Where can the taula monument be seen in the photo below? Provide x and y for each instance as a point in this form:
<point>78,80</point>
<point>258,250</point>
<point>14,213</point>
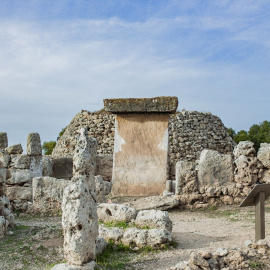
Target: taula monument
<point>141,144</point>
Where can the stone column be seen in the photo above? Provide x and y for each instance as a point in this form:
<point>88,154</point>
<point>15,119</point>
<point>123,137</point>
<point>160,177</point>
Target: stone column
<point>140,144</point>
<point>34,150</point>
<point>79,219</point>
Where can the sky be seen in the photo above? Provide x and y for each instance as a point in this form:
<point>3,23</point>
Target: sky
<point>60,57</point>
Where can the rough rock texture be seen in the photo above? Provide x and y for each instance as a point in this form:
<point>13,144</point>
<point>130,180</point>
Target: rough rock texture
<point>153,219</point>
<point>33,145</point>
<point>3,175</point>
<point>136,105</point>
<point>264,154</point>
<point>100,245</point>
<point>20,161</point>
<point>62,168</point>
<point>15,193</point>
<point>14,149</point>
<point>107,187</point>
<point>104,167</point>
<point>4,159</point>
<point>18,176</point>
<point>265,178</point>
<point>185,176</point>
<point>189,133</point>
<point>47,166</point>
<point>111,234</point>
<point>115,212</point>
<point>3,140</point>
<point>6,216</point>
<point>245,148</point>
<point>79,223</point>
<point>36,165</point>
<point>65,266</point>
<point>100,189</point>
<point>48,193</point>
<point>215,169</point>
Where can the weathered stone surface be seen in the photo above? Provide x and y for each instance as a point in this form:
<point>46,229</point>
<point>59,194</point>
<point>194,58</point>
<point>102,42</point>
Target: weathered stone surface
<point>65,266</point>
<point>20,161</point>
<point>79,221</point>
<point>157,104</point>
<point>48,193</point>
<point>104,167</point>
<point>33,145</point>
<point>3,140</point>
<point>3,175</point>
<point>215,169</point>
<point>154,219</point>
<point>100,245</point>
<point>4,159</point>
<point>264,154</point>
<point>2,227</point>
<point>6,217</point>
<point>115,212</point>
<point>265,178</point>
<point>111,234</point>
<point>185,176</point>
<point>100,189</point>
<point>36,165</point>
<point>245,148</point>
<point>156,237</point>
<point>19,176</point>
<point>155,202</point>
<point>14,149</point>
<point>62,168</point>
<point>107,187</point>
<point>140,154</point>
<point>47,166</point>
<point>19,193</point>
<point>3,189</point>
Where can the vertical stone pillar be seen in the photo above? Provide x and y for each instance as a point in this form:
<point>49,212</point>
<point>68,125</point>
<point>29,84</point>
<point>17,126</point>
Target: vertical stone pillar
<point>3,140</point>
<point>140,144</point>
<point>79,219</point>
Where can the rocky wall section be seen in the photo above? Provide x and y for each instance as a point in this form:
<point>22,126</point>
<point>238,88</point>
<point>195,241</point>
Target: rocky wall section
<point>189,133</point>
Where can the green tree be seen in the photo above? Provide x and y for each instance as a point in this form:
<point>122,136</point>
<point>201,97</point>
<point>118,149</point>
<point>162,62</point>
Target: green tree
<point>242,135</point>
<point>48,147</point>
<point>231,132</point>
<point>62,131</point>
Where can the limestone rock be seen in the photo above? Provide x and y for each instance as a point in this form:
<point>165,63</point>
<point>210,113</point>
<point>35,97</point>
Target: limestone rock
<point>264,154</point>
<point>100,189</point>
<point>48,193</point>
<point>265,178</point>
<point>3,140</point>
<point>185,177</point>
<point>111,234</point>
<point>65,266</point>
<point>19,193</point>
<point>3,175</point>
<point>157,104</point>
<point>156,237</point>
<point>115,212</point>
<point>100,245</point>
<point>4,159</point>
<point>34,145</point>
<point>36,165</point>
<point>2,227</point>
<point>104,167</point>
<point>14,149</point>
<point>46,166</point>
<point>19,176</point>
<point>215,169</point>
<point>198,260</point>
<point>107,187</point>
<point>154,219</point>
<point>79,221</point>
<point>245,148</point>
<point>20,161</point>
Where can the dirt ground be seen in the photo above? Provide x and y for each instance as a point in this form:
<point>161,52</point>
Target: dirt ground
<point>36,242</point>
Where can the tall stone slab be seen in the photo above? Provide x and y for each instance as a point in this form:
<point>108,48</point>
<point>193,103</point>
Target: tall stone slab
<point>140,144</point>
<point>3,140</point>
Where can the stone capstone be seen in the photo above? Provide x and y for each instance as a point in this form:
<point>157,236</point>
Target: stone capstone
<point>48,193</point>
<point>14,149</point>
<point>115,212</point>
<point>136,105</point>
<point>3,140</point>
<point>215,169</point>
<point>79,222</point>
<point>154,219</point>
<point>245,148</point>
<point>264,154</point>
<point>34,145</point>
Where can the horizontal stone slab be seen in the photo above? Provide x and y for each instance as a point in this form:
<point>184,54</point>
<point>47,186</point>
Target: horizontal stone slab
<point>136,105</point>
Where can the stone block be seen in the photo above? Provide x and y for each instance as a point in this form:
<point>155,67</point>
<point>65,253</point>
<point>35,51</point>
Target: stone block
<point>47,166</point>
<point>62,168</point>
<point>215,169</point>
<point>48,193</point>
<point>14,149</point>
<point>20,161</point>
<point>19,193</point>
<point>18,176</point>
<point>264,154</point>
<point>3,175</point>
<point>104,167</point>
<point>111,234</point>
<point>34,145</point>
<point>137,105</point>
<point>36,165</point>
<point>4,159</point>
<point>3,140</point>
<point>140,154</point>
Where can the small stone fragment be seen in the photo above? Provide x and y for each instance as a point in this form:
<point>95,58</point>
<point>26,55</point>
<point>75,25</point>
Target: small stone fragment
<point>14,149</point>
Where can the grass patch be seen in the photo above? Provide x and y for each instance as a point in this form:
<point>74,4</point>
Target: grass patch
<point>256,265</point>
<point>119,224</point>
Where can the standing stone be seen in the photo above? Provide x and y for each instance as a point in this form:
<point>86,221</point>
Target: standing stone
<point>3,140</point>
<point>215,169</point>
<point>34,145</point>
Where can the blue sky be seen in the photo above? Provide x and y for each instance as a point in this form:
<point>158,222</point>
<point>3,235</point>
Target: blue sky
<point>59,57</point>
